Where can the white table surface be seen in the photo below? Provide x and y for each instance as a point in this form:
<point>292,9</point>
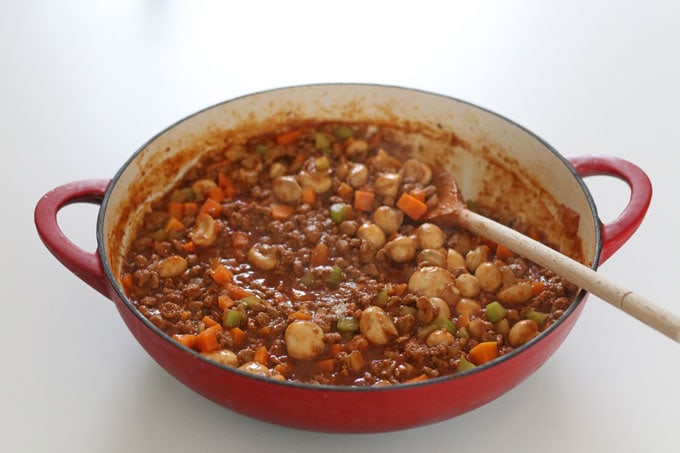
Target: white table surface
<point>84,83</point>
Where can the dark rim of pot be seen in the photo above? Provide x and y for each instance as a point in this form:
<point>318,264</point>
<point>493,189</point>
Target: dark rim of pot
<point>327,387</point>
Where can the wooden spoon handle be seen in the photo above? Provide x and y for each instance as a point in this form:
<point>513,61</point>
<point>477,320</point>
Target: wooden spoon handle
<point>638,307</point>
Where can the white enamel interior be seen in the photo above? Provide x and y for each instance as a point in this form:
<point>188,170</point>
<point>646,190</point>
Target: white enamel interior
<point>495,148</point>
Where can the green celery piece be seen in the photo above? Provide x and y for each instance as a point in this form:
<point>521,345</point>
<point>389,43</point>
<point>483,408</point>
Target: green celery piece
<point>322,163</point>
<point>251,300</point>
<point>381,298</point>
<point>232,318</point>
<point>159,235</point>
<point>445,324</point>
<point>343,132</point>
<point>536,316</point>
<point>338,212</point>
<point>308,279</point>
<point>347,324</point>
<point>464,365</point>
<point>335,277</point>
<point>321,142</point>
<point>495,312</point>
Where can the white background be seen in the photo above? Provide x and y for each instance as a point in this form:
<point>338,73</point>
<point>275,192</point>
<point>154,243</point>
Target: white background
<point>84,83</point>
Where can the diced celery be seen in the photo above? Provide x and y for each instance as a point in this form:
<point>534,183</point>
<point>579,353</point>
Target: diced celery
<point>381,298</point>
<point>251,300</point>
<point>335,277</point>
<point>425,331</point>
<point>308,279</point>
<point>347,324</point>
<point>495,312</point>
<point>322,163</point>
<point>321,142</point>
<point>445,324</point>
<point>159,235</point>
<point>462,333</point>
<point>338,212</point>
<point>536,316</point>
<point>438,324</point>
<point>343,132</point>
<point>232,318</point>
<point>261,149</point>
<point>464,365</point>
<point>182,195</point>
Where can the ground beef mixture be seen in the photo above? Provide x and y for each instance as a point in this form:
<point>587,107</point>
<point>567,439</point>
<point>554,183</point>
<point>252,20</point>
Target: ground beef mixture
<point>302,254</point>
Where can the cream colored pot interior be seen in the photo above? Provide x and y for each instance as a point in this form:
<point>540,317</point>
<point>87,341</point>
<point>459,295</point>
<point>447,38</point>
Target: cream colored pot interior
<point>494,161</point>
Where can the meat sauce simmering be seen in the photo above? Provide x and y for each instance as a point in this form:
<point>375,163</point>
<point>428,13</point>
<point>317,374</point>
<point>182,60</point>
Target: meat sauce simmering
<point>302,255</point>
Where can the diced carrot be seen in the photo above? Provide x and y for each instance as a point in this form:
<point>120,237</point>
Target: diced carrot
<point>176,210</point>
<point>191,209</point>
<point>503,253</point>
<point>237,335</point>
<point>326,365</point>
<point>209,322</point>
<point>128,282</point>
<point>187,340</point>
<point>299,315</point>
<point>173,225</point>
<point>308,195</point>
<point>211,207</point>
<point>345,191</point>
<point>206,341</point>
<point>225,302</point>
<point>239,239</point>
<point>363,200</point>
<point>484,352</point>
<point>320,255</point>
<point>281,211</point>
<point>411,206</point>
<point>488,242</point>
<point>226,184</point>
<point>297,163</point>
<point>336,348</point>
<point>220,274</point>
<point>422,377</point>
<point>189,246</point>
<point>537,287</point>
<point>261,355</point>
<point>216,193</point>
<point>186,314</point>
<point>264,331</point>
<point>398,289</point>
<point>285,368</point>
<point>235,291</point>
<point>418,193</point>
<point>289,137</point>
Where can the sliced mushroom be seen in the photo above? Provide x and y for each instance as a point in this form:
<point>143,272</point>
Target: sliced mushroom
<point>416,171</point>
<point>377,326</point>
<point>287,189</point>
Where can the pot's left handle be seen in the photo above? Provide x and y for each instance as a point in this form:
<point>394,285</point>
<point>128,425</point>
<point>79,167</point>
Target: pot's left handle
<point>86,265</point>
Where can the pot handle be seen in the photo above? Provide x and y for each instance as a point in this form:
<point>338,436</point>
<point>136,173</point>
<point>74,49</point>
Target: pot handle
<point>86,265</point>
<point>617,232</point>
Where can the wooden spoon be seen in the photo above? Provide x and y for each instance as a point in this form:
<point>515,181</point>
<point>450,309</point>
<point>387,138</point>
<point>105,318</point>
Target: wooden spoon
<point>451,210</point>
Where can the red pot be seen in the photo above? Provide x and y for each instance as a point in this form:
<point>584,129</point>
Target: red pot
<point>494,161</point>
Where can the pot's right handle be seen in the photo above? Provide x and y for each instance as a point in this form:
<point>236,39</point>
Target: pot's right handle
<point>617,232</point>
